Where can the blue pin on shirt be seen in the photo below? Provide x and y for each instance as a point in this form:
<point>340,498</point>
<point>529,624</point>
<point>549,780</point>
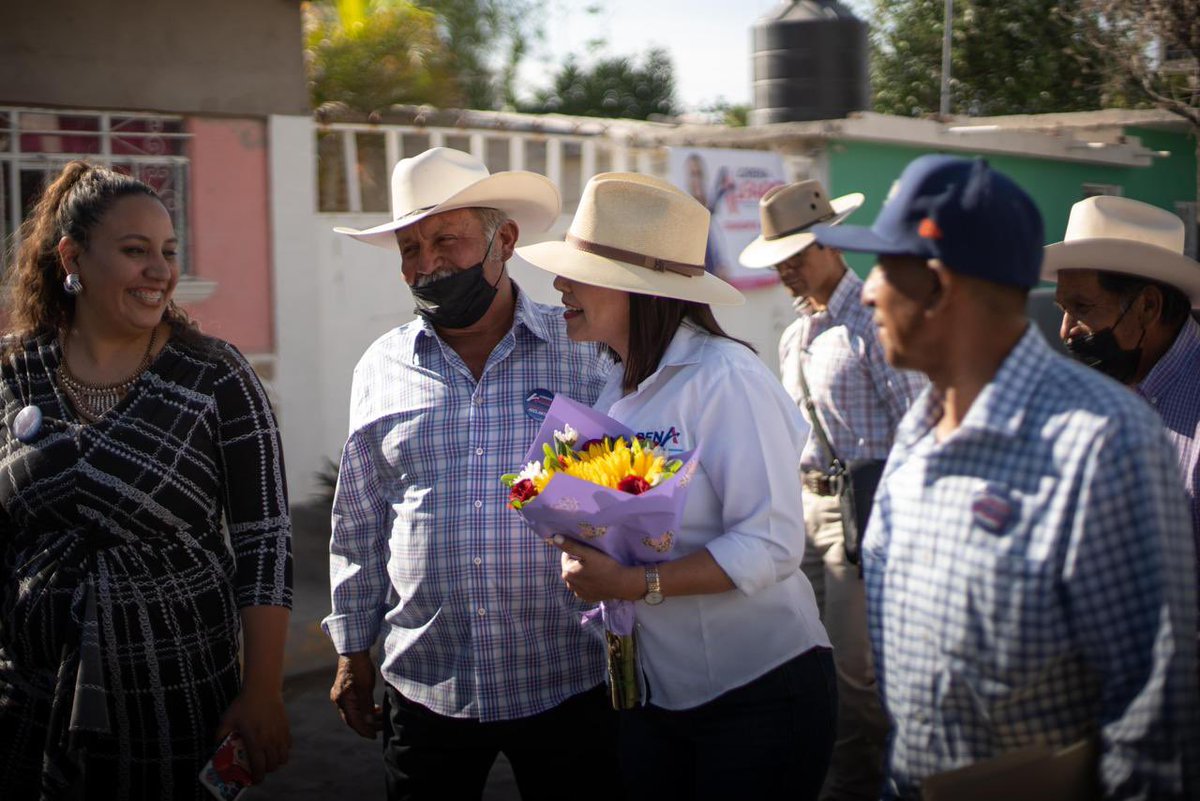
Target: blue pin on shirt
<point>537,403</point>
<point>27,424</point>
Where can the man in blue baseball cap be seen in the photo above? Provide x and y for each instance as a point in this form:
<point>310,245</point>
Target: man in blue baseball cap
<point>1029,557</point>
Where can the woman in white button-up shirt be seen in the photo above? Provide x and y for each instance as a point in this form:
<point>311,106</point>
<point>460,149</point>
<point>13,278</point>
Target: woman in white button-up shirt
<point>740,679</point>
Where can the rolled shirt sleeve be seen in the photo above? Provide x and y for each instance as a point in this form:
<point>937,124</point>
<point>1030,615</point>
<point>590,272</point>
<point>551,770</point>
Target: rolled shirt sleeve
<point>751,435</point>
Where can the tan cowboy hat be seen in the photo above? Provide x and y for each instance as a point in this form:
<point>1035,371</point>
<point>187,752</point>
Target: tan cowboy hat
<point>637,234</point>
<point>441,179</point>
<point>788,214</point>
<point>1119,235</point>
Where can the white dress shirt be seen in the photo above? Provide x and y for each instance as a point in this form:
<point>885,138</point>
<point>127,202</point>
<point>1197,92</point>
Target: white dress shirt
<point>743,506</point>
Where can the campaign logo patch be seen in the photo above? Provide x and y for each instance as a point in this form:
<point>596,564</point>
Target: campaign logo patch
<point>537,403</point>
<point>994,508</point>
<point>665,438</point>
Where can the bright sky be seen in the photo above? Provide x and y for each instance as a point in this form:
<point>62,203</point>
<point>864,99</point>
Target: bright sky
<point>709,41</point>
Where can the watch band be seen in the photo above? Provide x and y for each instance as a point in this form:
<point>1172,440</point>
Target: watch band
<point>653,594</point>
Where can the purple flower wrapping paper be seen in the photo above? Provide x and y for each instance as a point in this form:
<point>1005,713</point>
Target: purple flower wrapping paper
<point>633,529</point>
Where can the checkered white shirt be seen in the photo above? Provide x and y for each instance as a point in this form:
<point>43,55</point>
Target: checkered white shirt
<point>1031,579</point>
<point>1173,388</point>
<point>859,396</point>
<point>477,622</point>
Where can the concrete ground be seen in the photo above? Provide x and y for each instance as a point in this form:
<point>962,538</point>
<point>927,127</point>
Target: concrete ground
<point>328,760</point>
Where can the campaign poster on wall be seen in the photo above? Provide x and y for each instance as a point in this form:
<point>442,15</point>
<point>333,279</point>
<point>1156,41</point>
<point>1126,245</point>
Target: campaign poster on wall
<point>729,183</point>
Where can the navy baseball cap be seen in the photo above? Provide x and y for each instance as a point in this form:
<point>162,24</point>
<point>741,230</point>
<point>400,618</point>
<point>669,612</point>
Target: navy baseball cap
<point>975,220</point>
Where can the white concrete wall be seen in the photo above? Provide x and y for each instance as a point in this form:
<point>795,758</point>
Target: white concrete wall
<point>299,371</point>
<point>335,296</point>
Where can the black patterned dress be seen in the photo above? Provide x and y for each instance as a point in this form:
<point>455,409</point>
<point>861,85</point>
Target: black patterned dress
<point>119,587</point>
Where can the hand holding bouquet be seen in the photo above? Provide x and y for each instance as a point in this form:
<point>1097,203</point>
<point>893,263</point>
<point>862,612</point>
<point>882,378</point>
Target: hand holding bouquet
<point>590,478</point>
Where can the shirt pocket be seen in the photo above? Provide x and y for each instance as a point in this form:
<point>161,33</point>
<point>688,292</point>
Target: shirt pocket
<point>1006,626</point>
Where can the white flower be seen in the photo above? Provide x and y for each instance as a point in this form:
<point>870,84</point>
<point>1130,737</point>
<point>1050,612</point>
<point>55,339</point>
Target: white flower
<point>531,471</point>
<point>568,436</point>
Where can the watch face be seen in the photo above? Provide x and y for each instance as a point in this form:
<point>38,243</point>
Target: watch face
<point>653,598</point>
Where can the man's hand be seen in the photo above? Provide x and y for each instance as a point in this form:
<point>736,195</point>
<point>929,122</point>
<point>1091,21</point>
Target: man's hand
<point>353,694</point>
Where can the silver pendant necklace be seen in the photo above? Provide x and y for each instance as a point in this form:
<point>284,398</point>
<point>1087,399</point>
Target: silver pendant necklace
<point>93,401</point>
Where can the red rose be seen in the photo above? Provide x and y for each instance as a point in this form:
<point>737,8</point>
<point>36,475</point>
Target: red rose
<point>522,492</point>
<point>634,485</point>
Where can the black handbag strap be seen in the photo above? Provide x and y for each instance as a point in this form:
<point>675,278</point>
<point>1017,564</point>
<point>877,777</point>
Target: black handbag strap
<point>835,464</point>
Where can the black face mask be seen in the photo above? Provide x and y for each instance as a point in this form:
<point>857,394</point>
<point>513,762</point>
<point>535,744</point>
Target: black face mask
<point>1100,351</point>
<point>460,299</point>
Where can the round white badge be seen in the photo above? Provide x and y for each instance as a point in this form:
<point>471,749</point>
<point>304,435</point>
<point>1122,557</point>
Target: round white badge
<point>27,424</point>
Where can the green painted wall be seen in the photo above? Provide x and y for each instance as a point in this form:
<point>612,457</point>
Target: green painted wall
<point>871,168</point>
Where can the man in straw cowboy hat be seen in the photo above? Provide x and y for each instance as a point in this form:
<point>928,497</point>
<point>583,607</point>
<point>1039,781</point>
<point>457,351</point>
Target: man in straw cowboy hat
<point>482,651</point>
<point>1027,586</point>
<point>831,356</point>
<point>1127,291</point>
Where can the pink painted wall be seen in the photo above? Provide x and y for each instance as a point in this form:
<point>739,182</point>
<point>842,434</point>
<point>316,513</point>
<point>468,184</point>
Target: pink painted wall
<point>231,232</point>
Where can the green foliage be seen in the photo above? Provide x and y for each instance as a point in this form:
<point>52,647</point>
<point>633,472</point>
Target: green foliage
<point>1008,57</point>
<point>488,40</point>
<point>380,54</point>
<point>735,115</point>
<point>370,54</point>
<point>614,86</point>
<point>1155,45</point>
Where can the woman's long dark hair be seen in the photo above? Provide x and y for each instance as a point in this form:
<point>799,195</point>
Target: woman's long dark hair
<point>653,322</point>
<point>71,205</point>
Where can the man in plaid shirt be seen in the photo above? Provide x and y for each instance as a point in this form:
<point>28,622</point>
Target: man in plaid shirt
<point>1029,560</point>
<point>859,399</point>
<point>483,650</point>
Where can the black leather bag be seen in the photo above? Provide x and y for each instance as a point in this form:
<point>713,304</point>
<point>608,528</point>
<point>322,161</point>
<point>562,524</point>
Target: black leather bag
<point>857,487</point>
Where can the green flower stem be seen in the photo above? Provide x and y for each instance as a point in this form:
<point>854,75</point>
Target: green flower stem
<point>622,670</point>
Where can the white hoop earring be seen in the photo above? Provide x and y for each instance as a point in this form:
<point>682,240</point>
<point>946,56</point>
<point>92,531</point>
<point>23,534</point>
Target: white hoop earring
<point>72,285</point>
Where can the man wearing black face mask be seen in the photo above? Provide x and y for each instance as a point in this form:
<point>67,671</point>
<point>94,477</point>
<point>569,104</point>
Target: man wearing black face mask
<point>1126,291</point>
<point>483,650</point>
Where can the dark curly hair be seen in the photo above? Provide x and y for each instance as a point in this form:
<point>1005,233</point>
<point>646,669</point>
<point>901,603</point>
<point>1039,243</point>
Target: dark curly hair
<point>71,205</point>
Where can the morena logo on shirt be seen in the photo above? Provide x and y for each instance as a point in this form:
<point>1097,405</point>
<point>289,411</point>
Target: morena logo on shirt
<point>663,438</point>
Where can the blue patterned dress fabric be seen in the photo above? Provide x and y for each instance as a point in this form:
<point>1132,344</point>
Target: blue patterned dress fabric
<point>120,590</point>
<point>1031,581</point>
<point>475,619</point>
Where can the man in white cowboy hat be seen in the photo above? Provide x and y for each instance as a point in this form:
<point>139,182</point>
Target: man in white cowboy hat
<point>1028,593</point>
<point>832,350</point>
<point>482,650</point>
<point>1126,291</point>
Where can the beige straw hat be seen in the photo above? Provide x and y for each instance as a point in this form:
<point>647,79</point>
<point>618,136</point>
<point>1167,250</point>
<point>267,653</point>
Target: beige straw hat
<point>1119,235</point>
<point>637,234</point>
<point>442,179</point>
<point>788,214</point>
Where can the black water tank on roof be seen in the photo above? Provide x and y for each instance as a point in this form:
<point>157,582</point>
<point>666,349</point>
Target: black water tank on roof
<point>810,63</point>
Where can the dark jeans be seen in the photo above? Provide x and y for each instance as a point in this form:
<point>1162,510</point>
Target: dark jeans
<point>771,738</point>
<point>566,752</point>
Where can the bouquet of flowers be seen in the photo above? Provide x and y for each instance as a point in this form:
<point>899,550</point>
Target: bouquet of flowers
<point>592,479</point>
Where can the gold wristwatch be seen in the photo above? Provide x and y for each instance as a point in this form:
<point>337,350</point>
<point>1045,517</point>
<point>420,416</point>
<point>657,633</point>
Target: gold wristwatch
<point>653,594</point>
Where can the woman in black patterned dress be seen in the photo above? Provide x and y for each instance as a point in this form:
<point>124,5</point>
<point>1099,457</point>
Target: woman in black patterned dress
<point>126,439</point>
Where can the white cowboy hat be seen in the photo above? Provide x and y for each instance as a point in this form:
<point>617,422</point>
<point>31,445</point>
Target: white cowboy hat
<point>640,235</point>
<point>788,214</point>
<point>441,179</point>
<point>1119,235</point>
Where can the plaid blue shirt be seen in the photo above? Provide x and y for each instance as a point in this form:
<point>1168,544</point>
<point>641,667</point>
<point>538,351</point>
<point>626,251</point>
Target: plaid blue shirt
<point>1031,579</point>
<point>859,396</point>
<point>1173,388</point>
<point>476,621</point>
